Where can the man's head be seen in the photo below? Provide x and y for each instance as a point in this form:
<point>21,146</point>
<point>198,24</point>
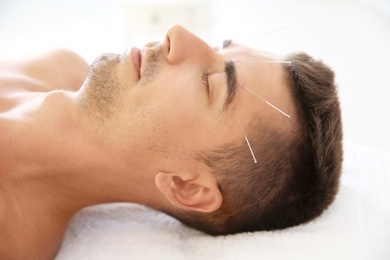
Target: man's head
<point>182,102</point>
<point>297,174</point>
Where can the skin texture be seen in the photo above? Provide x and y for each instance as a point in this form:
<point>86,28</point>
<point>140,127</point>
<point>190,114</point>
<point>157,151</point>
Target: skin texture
<point>122,133</point>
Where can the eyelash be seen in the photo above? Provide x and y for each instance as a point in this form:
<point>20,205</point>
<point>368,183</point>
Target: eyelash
<point>205,81</point>
<point>205,76</point>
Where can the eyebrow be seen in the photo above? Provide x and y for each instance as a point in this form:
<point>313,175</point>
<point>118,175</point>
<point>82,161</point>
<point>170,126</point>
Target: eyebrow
<point>231,77</point>
<point>231,83</point>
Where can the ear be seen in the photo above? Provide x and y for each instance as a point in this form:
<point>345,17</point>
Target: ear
<point>199,194</point>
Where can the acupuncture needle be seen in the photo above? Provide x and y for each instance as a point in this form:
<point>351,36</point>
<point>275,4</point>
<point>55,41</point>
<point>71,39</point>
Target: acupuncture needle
<point>268,103</point>
<point>246,138</point>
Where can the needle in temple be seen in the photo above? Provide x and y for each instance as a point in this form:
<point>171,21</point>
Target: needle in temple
<point>279,110</point>
<point>246,138</point>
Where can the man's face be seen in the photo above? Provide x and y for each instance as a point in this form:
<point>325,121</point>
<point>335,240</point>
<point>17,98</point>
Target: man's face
<point>178,96</point>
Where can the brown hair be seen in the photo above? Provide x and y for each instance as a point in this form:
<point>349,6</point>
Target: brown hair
<point>297,174</point>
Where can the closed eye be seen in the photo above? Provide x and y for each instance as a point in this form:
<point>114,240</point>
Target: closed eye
<point>205,82</point>
<point>205,76</point>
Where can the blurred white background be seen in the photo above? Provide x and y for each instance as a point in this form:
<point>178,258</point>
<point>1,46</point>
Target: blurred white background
<point>352,36</point>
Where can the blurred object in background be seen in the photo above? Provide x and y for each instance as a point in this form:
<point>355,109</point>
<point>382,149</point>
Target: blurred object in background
<point>146,20</point>
<point>352,36</point>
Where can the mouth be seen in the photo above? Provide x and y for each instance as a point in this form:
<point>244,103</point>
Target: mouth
<point>136,57</point>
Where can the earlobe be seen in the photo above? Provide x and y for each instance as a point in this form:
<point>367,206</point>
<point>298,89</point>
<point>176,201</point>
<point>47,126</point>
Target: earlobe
<point>189,194</point>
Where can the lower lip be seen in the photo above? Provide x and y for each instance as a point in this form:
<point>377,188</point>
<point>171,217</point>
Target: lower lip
<point>135,54</point>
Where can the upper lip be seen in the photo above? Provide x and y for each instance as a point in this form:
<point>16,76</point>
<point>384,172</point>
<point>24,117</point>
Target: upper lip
<point>136,56</point>
<point>144,51</point>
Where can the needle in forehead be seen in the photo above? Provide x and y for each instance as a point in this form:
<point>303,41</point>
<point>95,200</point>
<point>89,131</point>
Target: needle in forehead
<point>268,61</point>
<point>246,138</point>
<point>268,103</point>
<point>264,34</point>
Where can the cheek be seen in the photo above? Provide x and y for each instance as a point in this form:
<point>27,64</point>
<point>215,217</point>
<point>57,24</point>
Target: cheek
<point>185,112</point>
<point>182,96</point>
<point>180,116</point>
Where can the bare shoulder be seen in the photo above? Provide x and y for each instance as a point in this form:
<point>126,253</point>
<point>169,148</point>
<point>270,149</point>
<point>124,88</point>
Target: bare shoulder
<point>57,69</point>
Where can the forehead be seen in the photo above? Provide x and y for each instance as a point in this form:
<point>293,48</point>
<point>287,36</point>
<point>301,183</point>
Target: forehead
<point>265,78</point>
<point>241,51</point>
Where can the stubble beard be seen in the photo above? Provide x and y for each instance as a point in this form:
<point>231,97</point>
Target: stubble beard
<point>104,98</point>
<point>103,94</point>
<point>101,88</point>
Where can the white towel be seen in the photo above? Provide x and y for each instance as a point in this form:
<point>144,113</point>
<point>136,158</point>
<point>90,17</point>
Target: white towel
<point>356,226</point>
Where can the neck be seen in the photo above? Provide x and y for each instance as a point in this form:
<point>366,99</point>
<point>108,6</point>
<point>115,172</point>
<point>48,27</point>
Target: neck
<point>54,158</point>
<point>52,164</point>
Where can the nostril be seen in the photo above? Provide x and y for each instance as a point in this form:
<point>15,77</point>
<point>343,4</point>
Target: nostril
<point>168,43</point>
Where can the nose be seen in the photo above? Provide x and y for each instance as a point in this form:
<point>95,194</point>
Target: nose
<point>184,46</point>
